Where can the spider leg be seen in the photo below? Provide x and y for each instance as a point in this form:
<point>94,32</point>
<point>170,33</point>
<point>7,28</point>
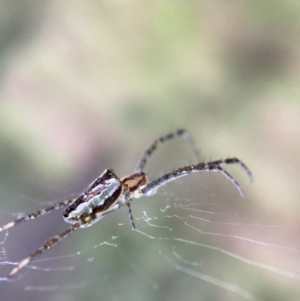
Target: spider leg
<point>184,171</point>
<point>234,161</point>
<point>84,222</point>
<point>149,151</point>
<point>45,247</point>
<point>127,204</point>
<point>35,214</point>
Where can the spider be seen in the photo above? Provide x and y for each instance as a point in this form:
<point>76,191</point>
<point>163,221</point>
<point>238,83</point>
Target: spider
<point>109,192</point>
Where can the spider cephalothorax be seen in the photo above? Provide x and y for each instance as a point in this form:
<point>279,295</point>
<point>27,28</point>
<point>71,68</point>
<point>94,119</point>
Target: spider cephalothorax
<point>108,193</point>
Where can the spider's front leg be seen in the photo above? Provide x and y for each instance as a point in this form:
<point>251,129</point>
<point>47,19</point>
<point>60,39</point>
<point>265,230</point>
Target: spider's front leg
<point>127,198</point>
<point>212,166</point>
<point>149,151</point>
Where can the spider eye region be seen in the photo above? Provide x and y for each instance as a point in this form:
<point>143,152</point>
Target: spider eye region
<point>99,195</point>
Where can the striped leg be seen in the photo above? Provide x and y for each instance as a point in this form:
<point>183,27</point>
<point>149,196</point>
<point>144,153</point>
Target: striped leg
<point>213,166</point>
<point>35,214</point>
<point>234,161</point>
<point>45,247</point>
<point>127,203</point>
<point>149,151</point>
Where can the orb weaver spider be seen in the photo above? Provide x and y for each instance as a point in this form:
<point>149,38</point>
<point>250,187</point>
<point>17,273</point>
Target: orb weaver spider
<point>109,192</point>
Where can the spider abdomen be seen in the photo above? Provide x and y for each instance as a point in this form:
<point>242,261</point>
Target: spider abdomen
<point>100,195</point>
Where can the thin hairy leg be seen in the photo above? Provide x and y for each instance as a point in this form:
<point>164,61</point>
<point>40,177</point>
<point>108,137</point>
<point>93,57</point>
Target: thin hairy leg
<point>128,203</point>
<point>184,171</point>
<point>49,244</point>
<point>150,150</point>
<point>36,214</point>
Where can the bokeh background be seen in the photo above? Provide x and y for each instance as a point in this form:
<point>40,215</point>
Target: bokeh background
<point>88,85</point>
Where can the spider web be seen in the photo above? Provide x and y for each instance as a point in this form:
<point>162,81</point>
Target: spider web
<point>196,239</point>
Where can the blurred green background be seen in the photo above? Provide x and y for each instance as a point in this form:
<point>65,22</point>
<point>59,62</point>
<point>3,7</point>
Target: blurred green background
<point>88,85</point>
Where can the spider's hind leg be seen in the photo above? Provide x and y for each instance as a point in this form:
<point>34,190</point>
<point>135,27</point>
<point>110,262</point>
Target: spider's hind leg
<point>49,244</point>
<point>35,214</point>
<point>150,150</point>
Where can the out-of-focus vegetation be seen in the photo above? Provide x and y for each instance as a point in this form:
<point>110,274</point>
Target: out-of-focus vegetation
<point>87,85</point>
